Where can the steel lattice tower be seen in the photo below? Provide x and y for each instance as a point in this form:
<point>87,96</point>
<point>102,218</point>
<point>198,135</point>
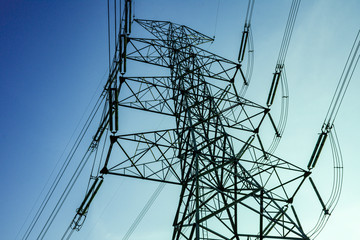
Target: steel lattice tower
<point>232,187</point>
<point>214,153</point>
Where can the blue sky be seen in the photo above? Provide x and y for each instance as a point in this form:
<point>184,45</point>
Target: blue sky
<point>53,56</point>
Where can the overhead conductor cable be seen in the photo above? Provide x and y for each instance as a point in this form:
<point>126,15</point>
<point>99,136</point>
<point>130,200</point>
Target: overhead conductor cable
<point>283,50</point>
<point>329,129</point>
<point>337,99</point>
<point>245,33</point>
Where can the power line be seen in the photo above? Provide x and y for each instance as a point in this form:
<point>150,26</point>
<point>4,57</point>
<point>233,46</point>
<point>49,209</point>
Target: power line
<point>62,169</point>
<point>343,83</point>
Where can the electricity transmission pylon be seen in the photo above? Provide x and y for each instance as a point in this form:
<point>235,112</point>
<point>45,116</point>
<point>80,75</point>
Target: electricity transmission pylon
<point>214,151</point>
<point>231,185</point>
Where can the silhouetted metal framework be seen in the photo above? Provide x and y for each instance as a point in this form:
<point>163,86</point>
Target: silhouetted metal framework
<point>232,186</point>
<point>193,128</point>
<point>214,152</point>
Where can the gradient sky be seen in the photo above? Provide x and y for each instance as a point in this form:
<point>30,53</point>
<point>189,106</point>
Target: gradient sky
<point>53,56</point>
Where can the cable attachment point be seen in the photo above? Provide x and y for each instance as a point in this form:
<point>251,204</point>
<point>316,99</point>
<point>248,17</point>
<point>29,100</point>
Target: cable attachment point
<point>81,212</point>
